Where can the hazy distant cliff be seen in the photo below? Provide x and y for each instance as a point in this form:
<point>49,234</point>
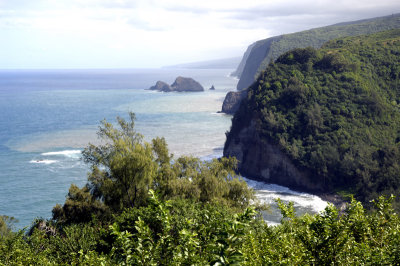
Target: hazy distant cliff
<point>239,70</point>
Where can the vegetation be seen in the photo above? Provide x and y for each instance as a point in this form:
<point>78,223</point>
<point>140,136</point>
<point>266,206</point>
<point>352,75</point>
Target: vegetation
<point>6,224</point>
<point>335,112</point>
<point>125,168</point>
<point>183,232</point>
<point>317,37</point>
<point>142,207</point>
<point>268,50</point>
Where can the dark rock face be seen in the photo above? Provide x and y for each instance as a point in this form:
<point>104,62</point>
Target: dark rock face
<point>239,70</point>
<point>263,161</point>
<point>255,57</point>
<point>232,101</point>
<point>186,84</point>
<point>161,86</point>
<point>212,88</point>
<point>180,84</point>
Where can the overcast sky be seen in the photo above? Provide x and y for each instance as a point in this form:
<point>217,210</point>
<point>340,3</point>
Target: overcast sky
<point>154,33</point>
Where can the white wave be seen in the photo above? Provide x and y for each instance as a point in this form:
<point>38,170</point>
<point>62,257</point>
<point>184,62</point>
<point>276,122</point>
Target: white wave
<point>66,153</point>
<point>272,223</point>
<point>258,185</point>
<point>268,193</point>
<point>43,161</point>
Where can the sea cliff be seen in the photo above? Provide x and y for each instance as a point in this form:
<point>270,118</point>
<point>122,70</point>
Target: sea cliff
<point>264,51</point>
<point>259,54</point>
<point>325,120</point>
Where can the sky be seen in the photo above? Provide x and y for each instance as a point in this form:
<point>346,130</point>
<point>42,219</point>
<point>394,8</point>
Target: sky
<point>49,34</point>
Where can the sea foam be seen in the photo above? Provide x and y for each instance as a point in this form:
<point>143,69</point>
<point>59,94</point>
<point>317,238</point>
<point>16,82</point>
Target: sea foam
<point>43,161</point>
<point>66,153</point>
<point>268,193</point>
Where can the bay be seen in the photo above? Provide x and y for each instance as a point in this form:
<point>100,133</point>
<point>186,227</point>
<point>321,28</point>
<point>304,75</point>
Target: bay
<point>48,116</point>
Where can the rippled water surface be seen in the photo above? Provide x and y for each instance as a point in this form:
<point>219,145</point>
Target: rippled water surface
<point>48,117</point>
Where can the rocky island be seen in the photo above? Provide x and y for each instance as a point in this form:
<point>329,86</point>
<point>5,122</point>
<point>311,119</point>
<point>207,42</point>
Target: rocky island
<point>161,86</point>
<point>181,84</point>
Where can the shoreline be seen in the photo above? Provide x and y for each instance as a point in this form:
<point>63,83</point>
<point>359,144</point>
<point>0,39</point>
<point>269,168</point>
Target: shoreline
<point>335,199</point>
<point>339,202</point>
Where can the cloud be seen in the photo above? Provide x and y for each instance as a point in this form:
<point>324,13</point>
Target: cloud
<point>180,30</point>
<point>281,9</point>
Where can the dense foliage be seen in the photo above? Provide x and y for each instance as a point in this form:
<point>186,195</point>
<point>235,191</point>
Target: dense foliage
<point>183,232</point>
<point>262,52</point>
<point>125,167</point>
<point>335,112</point>
<point>317,37</point>
<point>142,207</point>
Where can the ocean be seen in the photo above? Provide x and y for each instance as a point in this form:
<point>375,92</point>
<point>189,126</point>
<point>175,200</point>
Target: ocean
<point>48,116</point>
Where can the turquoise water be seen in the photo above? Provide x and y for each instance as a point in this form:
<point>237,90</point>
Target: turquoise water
<point>48,117</point>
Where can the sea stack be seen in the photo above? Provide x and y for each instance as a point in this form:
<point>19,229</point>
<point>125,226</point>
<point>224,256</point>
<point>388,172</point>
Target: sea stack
<point>186,84</point>
<point>181,84</point>
<point>161,86</point>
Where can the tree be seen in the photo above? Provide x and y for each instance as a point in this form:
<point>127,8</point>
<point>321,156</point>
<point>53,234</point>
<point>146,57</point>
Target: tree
<point>6,224</point>
<point>123,168</point>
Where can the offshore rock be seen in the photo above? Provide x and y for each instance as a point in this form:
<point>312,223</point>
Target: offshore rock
<point>181,84</point>
<point>186,84</point>
<point>161,86</point>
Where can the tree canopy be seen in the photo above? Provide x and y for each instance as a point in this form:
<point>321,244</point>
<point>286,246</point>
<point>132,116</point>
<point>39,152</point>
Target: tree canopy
<point>124,167</point>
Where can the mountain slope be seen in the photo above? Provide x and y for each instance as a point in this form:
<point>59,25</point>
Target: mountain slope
<point>267,50</point>
<point>325,119</point>
<point>225,63</point>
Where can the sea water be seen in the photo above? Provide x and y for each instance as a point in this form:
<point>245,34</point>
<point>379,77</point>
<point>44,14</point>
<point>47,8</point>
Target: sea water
<point>48,116</point>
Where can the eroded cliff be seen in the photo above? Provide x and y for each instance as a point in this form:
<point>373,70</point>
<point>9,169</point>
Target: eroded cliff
<point>264,161</point>
<point>325,119</point>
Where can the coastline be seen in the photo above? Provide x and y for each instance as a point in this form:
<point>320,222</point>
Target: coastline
<point>338,201</point>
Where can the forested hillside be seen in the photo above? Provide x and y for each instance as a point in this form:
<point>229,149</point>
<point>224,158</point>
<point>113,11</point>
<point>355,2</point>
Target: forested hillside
<point>267,50</point>
<point>333,113</point>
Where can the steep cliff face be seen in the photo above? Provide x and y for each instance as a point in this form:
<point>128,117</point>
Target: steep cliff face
<point>264,51</point>
<point>325,119</point>
<point>239,70</point>
<point>258,53</point>
<point>264,161</point>
<point>232,101</point>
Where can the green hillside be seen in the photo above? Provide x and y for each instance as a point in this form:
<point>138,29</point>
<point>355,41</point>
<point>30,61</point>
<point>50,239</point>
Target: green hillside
<point>334,112</point>
<point>267,50</point>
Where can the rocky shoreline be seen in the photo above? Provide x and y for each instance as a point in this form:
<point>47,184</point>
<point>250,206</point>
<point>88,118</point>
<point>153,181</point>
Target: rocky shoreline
<point>338,201</point>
